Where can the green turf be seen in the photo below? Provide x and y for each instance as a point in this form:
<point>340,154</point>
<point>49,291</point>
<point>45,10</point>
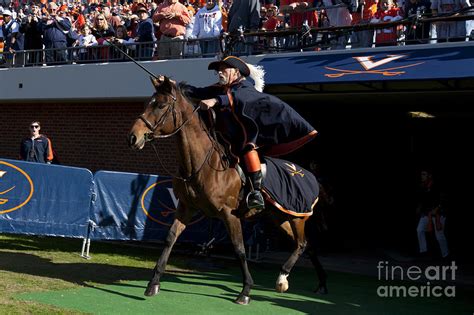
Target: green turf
<point>213,293</point>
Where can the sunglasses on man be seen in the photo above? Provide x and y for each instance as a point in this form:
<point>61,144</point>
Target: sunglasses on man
<point>34,126</point>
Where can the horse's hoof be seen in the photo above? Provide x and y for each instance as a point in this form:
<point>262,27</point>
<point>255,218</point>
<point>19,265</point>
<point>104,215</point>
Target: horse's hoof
<point>282,284</point>
<point>281,287</point>
<point>321,290</point>
<point>152,290</point>
<point>242,299</point>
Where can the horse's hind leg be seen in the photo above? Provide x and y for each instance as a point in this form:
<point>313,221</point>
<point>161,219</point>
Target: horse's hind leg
<point>322,275</point>
<point>294,228</point>
<point>234,228</point>
<point>179,224</point>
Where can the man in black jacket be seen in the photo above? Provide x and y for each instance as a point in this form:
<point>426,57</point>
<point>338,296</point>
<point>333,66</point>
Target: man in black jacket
<point>33,39</point>
<point>251,120</point>
<point>37,147</point>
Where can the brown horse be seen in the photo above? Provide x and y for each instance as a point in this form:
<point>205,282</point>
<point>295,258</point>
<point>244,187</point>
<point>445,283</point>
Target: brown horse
<point>204,184</point>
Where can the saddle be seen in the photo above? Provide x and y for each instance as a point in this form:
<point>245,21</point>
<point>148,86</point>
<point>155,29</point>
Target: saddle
<point>286,186</point>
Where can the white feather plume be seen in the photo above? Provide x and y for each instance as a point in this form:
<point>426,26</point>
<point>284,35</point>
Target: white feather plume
<point>257,73</point>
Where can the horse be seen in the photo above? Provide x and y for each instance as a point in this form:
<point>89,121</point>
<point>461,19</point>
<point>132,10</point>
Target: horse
<point>204,183</point>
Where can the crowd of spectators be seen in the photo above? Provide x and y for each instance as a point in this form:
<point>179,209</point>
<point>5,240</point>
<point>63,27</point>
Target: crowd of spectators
<point>36,32</point>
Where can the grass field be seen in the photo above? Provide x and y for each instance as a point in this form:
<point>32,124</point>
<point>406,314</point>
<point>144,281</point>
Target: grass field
<point>41,275</point>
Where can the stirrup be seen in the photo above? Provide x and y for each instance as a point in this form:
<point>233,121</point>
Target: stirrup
<point>255,200</point>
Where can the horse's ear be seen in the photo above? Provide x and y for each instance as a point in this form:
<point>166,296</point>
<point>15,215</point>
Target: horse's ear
<point>167,86</point>
<point>157,81</point>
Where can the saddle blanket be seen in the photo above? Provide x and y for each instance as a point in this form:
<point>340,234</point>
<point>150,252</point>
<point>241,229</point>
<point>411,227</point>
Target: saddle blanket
<point>290,188</point>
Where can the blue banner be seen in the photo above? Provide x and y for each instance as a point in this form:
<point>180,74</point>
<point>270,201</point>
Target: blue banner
<point>395,63</point>
<point>44,199</point>
<point>139,207</point>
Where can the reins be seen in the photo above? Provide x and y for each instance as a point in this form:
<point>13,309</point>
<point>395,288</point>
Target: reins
<point>149,137</point>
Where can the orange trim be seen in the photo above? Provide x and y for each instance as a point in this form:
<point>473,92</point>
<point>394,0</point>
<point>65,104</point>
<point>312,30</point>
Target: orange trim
<point>285,148</point>
<point>252,161</point>
<point>290,212</point>
<point>50,151</point>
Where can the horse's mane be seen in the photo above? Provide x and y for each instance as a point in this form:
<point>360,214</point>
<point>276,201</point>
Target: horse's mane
<point>206,119</point>
<point>185,90</point>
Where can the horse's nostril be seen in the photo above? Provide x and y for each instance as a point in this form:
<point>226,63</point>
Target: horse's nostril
<point>132,139</point>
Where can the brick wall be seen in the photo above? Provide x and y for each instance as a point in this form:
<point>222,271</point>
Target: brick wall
<point>89,135</point>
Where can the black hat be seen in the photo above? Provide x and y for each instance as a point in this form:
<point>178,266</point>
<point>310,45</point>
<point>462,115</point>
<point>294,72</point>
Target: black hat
<point>233,62</point>
<point>142,9</point>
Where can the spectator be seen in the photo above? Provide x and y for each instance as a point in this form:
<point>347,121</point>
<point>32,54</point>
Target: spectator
<point>53,28</point>
<point>245,14</point>
<point>103,32</point>
<point>225,7</point>
<point>112,19</point>
<point>263,17</point>
<point>338,15</point>
<point>208,27</point>
<point>2,60</point>
<point>37,147</point>
<point>299,13</point>
<point>86,39</point>
<point>363,15</point>
<point>417,33</point>
<point>173,18</point>
<point>272,22</point>
<point>387,13</point>
<point>153,8</point>
<point>122,38</point>
<point>101,29</point>
<point>191,46</point>
<point>449,31</point>
<point>145,35</point>
<point>431,212</point>
<point>13,39</point>
<point>33,40</point>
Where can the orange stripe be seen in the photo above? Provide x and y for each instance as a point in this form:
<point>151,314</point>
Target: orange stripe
<point>50,151</point>
<point>285,148</point>
<point>290,212</point>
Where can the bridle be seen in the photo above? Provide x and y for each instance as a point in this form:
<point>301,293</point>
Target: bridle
<point>150,136</point>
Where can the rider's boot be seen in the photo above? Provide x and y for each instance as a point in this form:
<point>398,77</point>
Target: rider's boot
<point>254,199</point>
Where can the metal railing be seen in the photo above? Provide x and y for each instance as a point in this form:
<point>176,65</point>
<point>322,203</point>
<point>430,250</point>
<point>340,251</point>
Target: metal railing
<point>409,31</point>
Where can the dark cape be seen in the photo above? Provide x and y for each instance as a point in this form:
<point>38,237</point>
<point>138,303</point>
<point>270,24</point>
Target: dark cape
<point>268,122</point>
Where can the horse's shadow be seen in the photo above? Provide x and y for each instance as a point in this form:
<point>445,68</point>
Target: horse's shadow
<point>96,275</point>
<point>86,273</point>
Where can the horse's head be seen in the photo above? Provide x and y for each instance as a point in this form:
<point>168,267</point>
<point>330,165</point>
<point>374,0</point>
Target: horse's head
<point>159,117</point>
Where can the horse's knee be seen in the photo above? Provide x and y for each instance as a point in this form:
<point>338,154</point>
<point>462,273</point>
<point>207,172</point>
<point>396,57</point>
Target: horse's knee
<point>301,246</point>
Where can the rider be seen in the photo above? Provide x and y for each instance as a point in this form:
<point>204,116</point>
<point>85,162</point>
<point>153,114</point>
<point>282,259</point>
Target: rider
<point>260,121</point>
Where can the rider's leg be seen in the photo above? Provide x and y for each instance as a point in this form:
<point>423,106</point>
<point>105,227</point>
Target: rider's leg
<point>253,171</point>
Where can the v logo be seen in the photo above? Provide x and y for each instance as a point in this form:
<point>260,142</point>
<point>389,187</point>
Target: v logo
<point>368,64</point>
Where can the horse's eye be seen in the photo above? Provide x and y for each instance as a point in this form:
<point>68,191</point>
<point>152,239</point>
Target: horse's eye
<point>162,105</point>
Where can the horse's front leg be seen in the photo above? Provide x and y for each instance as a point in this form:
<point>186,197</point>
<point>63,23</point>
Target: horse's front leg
<point>234,228</point>
<point>294,228</point>
<point>179,224</point>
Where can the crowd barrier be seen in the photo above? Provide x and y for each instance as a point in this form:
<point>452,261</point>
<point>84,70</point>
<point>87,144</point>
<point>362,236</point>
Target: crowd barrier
<point>54,200</point>
<point>44,199</point>
<point>138,207</point>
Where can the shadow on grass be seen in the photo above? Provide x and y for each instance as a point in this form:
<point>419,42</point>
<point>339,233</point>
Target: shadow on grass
<point>225,281</point>
<point>348,293</point>
<point>48,243</point>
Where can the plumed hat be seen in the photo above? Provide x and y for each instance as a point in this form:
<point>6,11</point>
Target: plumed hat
<point>256,73</point>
